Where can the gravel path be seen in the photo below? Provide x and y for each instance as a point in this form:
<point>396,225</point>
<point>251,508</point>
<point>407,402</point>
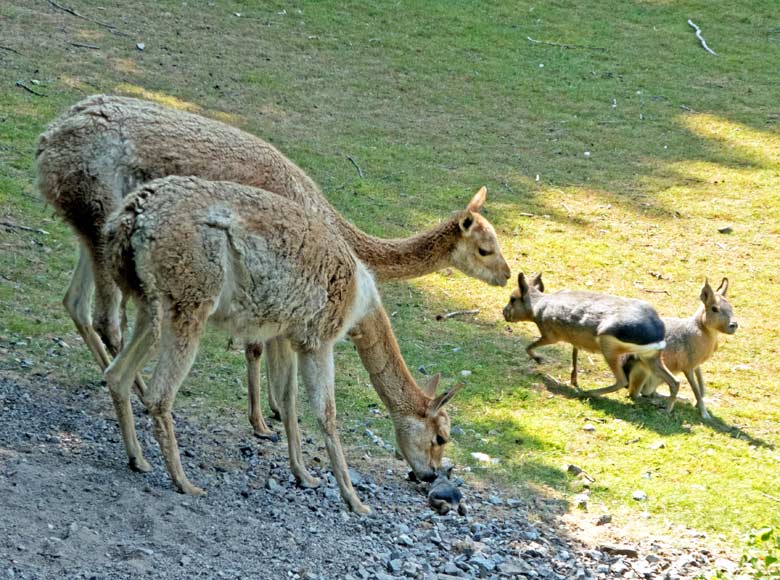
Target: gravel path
<point>69,508</point>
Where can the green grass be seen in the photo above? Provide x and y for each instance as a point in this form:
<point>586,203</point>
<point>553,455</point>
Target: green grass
<point>433,100</point>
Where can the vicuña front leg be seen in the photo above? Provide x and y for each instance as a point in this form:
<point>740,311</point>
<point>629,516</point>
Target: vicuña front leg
<point>253,352</point>
<point>119,377</point>
<point>319,377</point>
<point>178,346</point>
<point>282,363</point>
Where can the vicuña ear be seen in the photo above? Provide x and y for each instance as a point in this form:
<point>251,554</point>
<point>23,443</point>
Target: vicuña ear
<point>707,295</point>
<point>436,405</point>
<point>537,282</point>
<point>478,200</point>
<point>724,287</point>
<point>522,284</point>
<point>430,387</point>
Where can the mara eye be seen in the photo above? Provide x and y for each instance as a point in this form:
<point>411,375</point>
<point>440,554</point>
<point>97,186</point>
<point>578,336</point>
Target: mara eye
<point>715,309</point>
<point>440,440</point>
<point>512,299</point>
<point>484,252</point>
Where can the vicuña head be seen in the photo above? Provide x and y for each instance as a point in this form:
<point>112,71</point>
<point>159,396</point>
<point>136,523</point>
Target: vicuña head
<point>477,252</point>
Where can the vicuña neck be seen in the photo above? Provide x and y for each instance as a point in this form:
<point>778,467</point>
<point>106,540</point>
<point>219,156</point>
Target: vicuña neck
<point>394,259</point>
<point>378,349</point>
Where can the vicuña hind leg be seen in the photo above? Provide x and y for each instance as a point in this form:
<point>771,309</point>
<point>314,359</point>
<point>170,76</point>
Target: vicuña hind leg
<point>274,390</point>
<point>319,377</point>
<point>282,365</point>
<point>253,352</point>
<point>181,334</point>
<point>119,376</point>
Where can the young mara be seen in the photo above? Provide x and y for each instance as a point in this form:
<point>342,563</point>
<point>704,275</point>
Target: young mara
<point>189,250</point>
<point>104,146</point>
<point>690,342</point>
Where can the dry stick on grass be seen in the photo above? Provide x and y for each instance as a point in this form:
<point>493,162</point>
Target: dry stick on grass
<point>9,49</point>
<point>352,161</point>
<point>24,228</point>
<point>701,38</point>
<point>583,46</point>
<point>777,499</point>
<point>72,12</point>
<point>651,291</point>
<point>447,315</point>
<point>79,45</point>
<point>28,89</point>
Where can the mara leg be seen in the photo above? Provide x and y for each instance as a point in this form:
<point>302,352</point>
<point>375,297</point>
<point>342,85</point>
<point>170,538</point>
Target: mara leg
<point>638,374</point>
<point>77,301</point>
<point>119,376</point>
<point>253,353</point>
<point>574,382</point>
<point>659,368</point>
<point>613,357</point>
<point>282,363</point>
<point>181,335</point>
<point>698,390</point>
<point>319,377</point>
<point>541,341</point>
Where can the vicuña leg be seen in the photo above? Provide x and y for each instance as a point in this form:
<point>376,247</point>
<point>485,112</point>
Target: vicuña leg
<point>274,389</point>
<point>282,363</point>
<point>253,353</point>
<point>178,345</point>
<point>119,377</point>
<point>319,377</point>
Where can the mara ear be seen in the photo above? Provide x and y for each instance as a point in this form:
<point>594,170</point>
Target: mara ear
<point>478,200</point>
<point>707,295</point>
<point>724,287</point>
<point>522,284</point>
<point>466,222</point>
<point>430,387</point>
<point>537,282</point>
<point>436,405</point>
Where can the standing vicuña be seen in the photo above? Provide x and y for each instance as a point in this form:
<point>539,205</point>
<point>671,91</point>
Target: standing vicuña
<point>95,153</point>
<point>188,250</point>
<point>611,325</point>
<point>690,342</point>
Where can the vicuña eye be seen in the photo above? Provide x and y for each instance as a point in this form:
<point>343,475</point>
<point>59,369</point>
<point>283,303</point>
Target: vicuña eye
<point>484,252</point>
<point>440,440</point>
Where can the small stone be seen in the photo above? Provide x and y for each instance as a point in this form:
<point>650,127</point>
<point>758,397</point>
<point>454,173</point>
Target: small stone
<point>457,431</point>
<point>619,550</point>
<point>495,500</point>
<point>486,565</point>
<point>603,519</point>
<point>451,569</point>
<point>658,445</point>
<point>639,495</point>
<point>395,566</point>
<point>587,154</point>
<point>185,560</point>
<point>581,501</point>
<point>588,427</point>
<point>344,517</point>
<point>513,503</point>
<point>620,567</point>
<point>405,540</point>
<point>272,485</point>
<point>465,373</point>
<point>726,565</point>
<point>483,457</point>
<point>140,46</point>
<point>355,477</point>
<point>725,230</point>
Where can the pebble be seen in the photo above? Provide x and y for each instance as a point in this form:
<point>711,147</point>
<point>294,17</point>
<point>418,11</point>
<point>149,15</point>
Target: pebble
<point>639,495</point>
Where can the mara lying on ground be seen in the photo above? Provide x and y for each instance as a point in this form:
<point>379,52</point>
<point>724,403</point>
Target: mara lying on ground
<point>189,250</point>
<point>95,153</point>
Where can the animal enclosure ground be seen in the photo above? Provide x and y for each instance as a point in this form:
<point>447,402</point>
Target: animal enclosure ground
<point>610,166</point>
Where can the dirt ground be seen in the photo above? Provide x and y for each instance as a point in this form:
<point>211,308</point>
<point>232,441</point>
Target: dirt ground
<point>71,509</point>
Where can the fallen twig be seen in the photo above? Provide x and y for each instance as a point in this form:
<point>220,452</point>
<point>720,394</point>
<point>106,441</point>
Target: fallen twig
<point>24,228</point>
<point>447,315</point>
<point>28,89</point>
<point>701,38</point>
<point>777,499</point>
<point>651,291</point>
<point>79,45</point>
<point>9,49</point>
<point>353,162</point>
<point>72,12</point>
<point>584,46</point>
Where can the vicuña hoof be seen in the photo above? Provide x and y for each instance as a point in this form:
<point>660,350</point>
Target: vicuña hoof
<point>140,464</point>
<point>267,435</point>
<point>360,508</point>
<point>309,482</point>
<point>187,488</point>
